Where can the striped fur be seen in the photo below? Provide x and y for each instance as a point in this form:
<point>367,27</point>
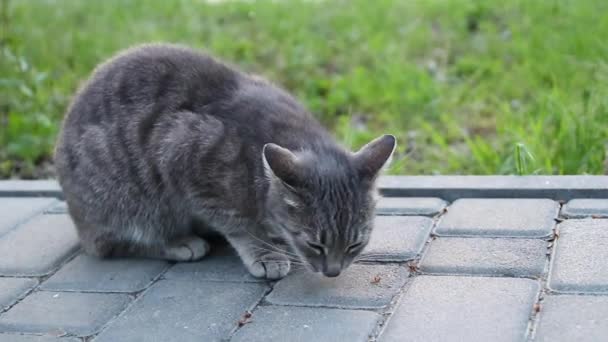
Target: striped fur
<point>162,136</point>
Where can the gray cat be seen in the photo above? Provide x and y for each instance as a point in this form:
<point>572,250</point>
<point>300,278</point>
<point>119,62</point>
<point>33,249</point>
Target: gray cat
<point>163,139</point>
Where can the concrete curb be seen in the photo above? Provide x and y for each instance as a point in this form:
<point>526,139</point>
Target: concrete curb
<point>448,188</point>
<point>30,188</point>
<point>451,188</point>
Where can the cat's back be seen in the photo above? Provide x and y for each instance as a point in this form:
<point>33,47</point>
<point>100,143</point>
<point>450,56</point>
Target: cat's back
<point>110,122</point>
<point>151,78</point>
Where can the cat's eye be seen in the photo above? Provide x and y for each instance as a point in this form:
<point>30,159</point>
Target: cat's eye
<point>319,249</point>
<point>353,247</point>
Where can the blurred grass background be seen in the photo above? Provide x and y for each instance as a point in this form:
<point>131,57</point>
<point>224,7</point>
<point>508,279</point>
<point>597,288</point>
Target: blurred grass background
<point>468,87</point>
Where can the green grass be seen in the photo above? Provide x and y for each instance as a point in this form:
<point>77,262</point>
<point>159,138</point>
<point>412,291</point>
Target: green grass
<point>468,87</point>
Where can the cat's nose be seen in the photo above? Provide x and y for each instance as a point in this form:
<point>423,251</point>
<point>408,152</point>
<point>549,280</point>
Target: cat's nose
<point>332,270</point>
<point>331,273</point>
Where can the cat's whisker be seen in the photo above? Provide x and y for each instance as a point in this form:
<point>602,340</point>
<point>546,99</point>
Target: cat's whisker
<point>269,250</point>
<point>276,248</point>
<point>297,261</point>
<point>281,252</point>
<point>292,260</point>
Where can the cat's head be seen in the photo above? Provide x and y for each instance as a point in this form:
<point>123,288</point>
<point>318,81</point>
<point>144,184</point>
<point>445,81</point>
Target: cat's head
<point>323,203</point>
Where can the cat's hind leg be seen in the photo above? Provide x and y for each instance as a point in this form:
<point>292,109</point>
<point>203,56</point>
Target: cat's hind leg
<point>112,244</point>
<point>187,248</point>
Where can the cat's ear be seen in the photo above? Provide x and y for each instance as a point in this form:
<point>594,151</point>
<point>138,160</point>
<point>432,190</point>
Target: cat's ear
<point>283,164</point>
<point>375,156</point>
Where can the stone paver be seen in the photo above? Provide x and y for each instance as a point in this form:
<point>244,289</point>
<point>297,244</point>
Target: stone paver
<point>580,261</point>
<point>80,314</point>
<point>487,256</point>
<point>445,308</point>
<point>12,289</point>
<point>355,288</point>
<point>87,273</point>
<point>478,278</point>
<point>38,246</point>
<point>418,206</point>
<point>573,318</point>
<point>212,268</point>
<point>16,210</point>
<point>499,218</point>
<point>397,238</point>
<point>35,338</point>
<point>297,324</point>
<point>184,311</point>
<point>579,208</point>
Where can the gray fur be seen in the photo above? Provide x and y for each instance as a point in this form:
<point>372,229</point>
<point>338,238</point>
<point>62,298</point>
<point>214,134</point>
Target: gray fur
<point>163,139</point>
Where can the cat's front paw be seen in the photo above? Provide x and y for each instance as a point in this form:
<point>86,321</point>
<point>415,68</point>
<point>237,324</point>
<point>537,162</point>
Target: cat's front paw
<point>270,266</point>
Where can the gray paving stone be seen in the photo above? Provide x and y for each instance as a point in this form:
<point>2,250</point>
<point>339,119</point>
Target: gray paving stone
<point>487,256</point>
<point>12,289</point>
<point>580,257</point>
<point>579,208</point>
<point>87,273</point>
<point>418,206</point>
<point>573,318</point>
<point>499,218</point>
<point>355,288</point>
<point>184,311</point>
<point>35,338</point>
<point>59,208</point>
<point>17,210</point>
<point>397,238</point>
<point>80,314</point>
<point>212,268</point>
<point>297,324</point>
<point>445,308</point>
<point>37,247</point>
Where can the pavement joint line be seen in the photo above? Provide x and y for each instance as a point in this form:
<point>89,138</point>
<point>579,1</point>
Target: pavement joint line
<point>30,217</point>
<point>473,236</point>
<point>135,297</point>
<point>320,306</point>
<point>537,308</point>
<point>386,312</point>
<point>446,274</point>
<point>39,279</point>
<point>22,297</point>
<point>265,303</point>
<point>252,310</point>
<point>581,294</point>
<point>534,313</point>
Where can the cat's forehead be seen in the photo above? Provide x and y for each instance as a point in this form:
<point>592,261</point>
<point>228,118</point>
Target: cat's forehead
<point>341,190</point>
<point>340,209</point>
